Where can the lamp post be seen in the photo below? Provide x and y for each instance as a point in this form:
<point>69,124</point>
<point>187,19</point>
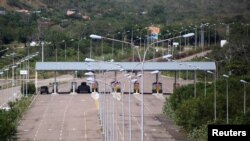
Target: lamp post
<point>226,78</point>
<point>78,55</point>
<point>7,70</point>
<point>217,66</point>
<point>130,124</point>
<point>65,47</point>
<point>244,83</point>
<point>205,93</point>
<point>105,108</point>
<point>142,78</point>
<point>142,60</point>
<point>1,73</point>
<point>195,80</point>
<point>28,68</point>
<point>210,72</point>
<point>42,50</point>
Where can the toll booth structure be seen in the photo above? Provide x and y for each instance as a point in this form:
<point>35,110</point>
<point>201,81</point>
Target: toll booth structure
<point>94,86</point>
<point>116,86</point>
<point>127,66</point>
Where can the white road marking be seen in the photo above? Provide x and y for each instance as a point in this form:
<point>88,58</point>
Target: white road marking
<point>44,113</point>
<point>64,117</point>
<point>85,126</point>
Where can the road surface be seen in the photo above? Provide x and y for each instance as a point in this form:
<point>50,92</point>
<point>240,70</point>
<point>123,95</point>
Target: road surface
<point>62,117</point>
<point>75,117</point>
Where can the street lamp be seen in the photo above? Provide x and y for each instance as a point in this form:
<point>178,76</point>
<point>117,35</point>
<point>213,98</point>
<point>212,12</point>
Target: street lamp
<point>7,70</point>
<point>42,43</point>
<point>130,124</point>
<point>93,36</point>
<point>210,72</point>
<point>217,65</point>
<point>89,60</point>
<point>105,108</point>
<point>64,41</point>
<point>226,78</point>
<point>142,78</point>
<point>205,93</point>
<point>244,83</point>
<point>142,60</point>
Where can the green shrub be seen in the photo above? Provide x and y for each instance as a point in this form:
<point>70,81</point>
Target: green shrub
<point>195,113</point>
<point>31,89</point>
<point>9,119</point>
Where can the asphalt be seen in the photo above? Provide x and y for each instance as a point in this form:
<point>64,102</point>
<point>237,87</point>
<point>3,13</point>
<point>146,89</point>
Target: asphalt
<point>61,117</point>
<point>76,117</point>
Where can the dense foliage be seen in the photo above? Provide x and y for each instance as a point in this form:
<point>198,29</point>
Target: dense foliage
<point>29,89</point>
<point>194,113</point>
<point>9,119</point>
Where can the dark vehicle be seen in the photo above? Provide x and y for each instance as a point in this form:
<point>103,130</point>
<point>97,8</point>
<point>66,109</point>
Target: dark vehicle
<point>44,89</point>
<point>73,84</point>
<point>83,88</point>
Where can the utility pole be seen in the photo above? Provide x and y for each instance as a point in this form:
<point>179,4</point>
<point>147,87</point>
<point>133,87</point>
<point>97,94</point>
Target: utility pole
<point>202,37</point>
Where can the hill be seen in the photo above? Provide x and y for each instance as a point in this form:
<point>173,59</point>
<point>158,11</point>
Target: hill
<point>12,5</point>
<point>155,11</point>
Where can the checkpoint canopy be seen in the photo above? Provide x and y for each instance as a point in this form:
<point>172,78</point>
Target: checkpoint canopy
<point>127,66</point>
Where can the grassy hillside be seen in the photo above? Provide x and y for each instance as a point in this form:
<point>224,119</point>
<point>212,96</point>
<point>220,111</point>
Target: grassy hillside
<point>112,17</point>
<point>157,10</point>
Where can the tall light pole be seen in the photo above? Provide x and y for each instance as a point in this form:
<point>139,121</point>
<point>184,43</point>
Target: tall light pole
<point>28,74</point>
<point>226,78</point>
<point>195,77</point>
<point>217,66</point>
<point>214,74</point>
<point>205,93</point>
<point>42,43</point>
<point>78,50</point>
<point>142,78</point>
<point>202,38</point>
<point>244,83</point>
<point>142,60</point>
<point>7,70</point>
<point>65,47</point>
<point>215,42</point>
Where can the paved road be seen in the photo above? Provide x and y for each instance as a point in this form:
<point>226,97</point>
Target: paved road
<point>201,54</point>
<point>12,93</point>
<point>75,117</point>
<point>62,117</point>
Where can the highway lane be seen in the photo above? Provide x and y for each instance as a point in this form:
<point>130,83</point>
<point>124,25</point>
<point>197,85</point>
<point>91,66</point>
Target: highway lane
<point>155,129</point>
<point>75,117</point>
<point>12,93</point>
<point>61,117</point>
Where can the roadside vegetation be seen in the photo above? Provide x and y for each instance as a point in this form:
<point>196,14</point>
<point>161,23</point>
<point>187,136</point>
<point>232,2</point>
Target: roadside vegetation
<point>9,119</point>
<point>195,113</point>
